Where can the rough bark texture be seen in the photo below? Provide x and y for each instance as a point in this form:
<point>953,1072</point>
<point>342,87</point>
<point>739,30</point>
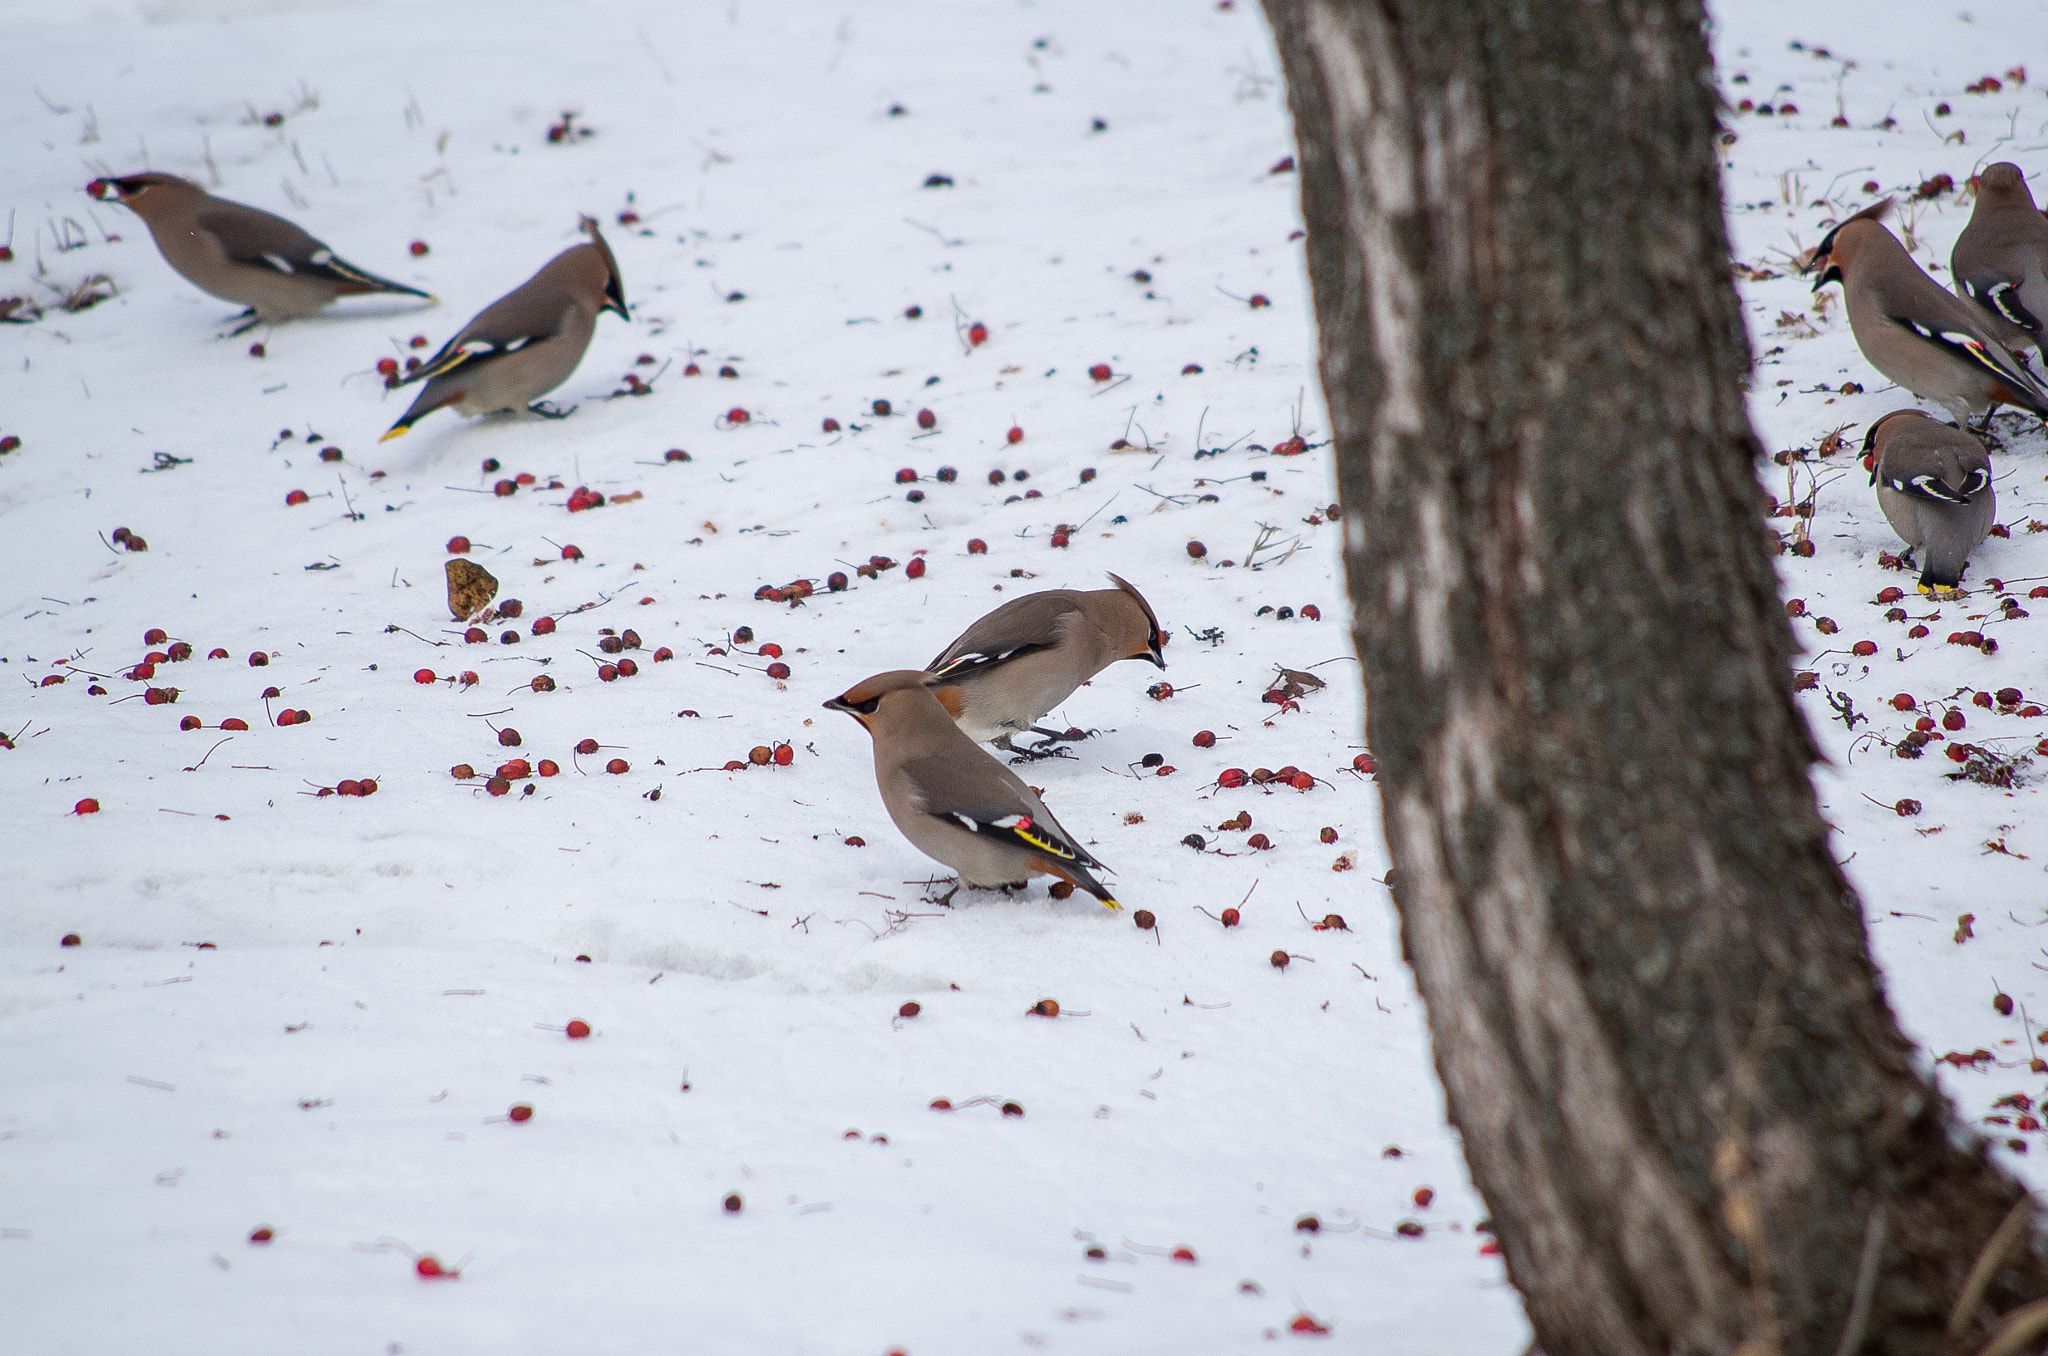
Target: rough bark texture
<point>1654,1011</point>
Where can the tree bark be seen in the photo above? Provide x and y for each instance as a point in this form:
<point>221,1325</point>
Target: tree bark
<point>1654,1012</point>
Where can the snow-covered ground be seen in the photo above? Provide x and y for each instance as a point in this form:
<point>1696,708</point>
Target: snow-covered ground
<point>311,1014</point>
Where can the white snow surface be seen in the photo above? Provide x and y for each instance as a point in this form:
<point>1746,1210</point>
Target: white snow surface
<point>312,1013</point>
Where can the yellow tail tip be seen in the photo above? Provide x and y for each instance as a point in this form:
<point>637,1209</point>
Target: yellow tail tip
<point>398,432</point>
<point>1112,904</point>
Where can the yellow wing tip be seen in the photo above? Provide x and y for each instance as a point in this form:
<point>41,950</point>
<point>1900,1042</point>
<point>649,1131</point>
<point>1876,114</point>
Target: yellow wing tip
<point>398,432</point>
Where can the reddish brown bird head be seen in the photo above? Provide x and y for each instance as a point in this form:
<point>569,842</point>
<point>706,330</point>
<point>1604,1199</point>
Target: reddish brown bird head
<point>1841,245</point>
<point>1154,639</point>
<point>614,285</point>
<point>863,701</point>
<point>2002,184</point>
<point>131,190</point>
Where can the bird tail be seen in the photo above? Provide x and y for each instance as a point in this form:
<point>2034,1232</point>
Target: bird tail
<point>354,280</point>
<point>429,400</point>
<point>1078,876</point>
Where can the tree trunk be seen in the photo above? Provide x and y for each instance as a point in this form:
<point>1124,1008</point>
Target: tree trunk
<point>1681,1091</point>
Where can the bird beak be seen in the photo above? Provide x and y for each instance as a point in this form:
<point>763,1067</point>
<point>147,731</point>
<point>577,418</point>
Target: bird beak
<point>1155,656</point>
<point>616,304</point>
<point>841,704</point>
<point>1832,273</point>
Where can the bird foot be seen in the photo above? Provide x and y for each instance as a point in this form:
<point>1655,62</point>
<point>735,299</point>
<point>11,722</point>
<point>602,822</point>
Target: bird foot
<point>546,410</point>
<point>250,320</point>
<point>1038,753</point>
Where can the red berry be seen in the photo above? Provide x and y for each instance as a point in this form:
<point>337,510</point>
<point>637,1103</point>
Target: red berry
<point>1196,550</point>
<point>618,766</point>
<point>159,696</point>
<point>914,568</point>
<point>664,654</point>
<point>140,673</point>
<point>519,1114</point>
<point>508,738</point>
<point>778,670</point>
<point>675,454</point>
<point>1953,720</point>
<point>1205,739</point>
<point>1232,778</point>
<point>504,488</point>
<point>1980,699</point>
<point>154,636</point>
<point>295,498</point>
<point>771,651</point>
<point>1060,540</point>
<point>1301,781</point>
<point>1015,435</point>
<point>831,426</point>
<point>1278,960</point>
<point>926,419</point>
<point>543,626</point>
<point>1864,648</point>
<point>547,767</point>
<point>418,248</point>
<point>784,755</point>
<point>976,547</point>
<point>263,1235</point>
<point>836,581</point>
<point>216,653</point>
<point>1100,372</point>
<point>733,1204</point>
<point>88,806</point>
<point>607,673</point>
<point>736,415</point>
<point>424,676</point>
<point>1258,842</point>
<point>578,1030</point>
<point>1258,300</point>
<point>189,723</point>
<point>234,723</point>
<point>369,786</point>
<point>906,476</point>
<point>475,635</point>
<point>348,786</point>
<point>428,1267</point>
<point>462,772</point>
<point>1312,612</point>
<point>256,350</point>
<point>977,334</point>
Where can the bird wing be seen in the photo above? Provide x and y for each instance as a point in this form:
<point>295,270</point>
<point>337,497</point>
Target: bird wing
<point>1996,292</point>
<point>1983,353</point>
<point>1035,622</point>
<point>1933,489</point>
<point>527,315</point>
<point>249,235</point>
<point>988,806</point>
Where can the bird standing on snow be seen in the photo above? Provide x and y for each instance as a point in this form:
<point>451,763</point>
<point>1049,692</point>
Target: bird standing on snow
<point>1026,657</point>
<point>1915,331</point>
<point>239,253</point>
<point>527,342</point>
<point>1934,485</point>
<point>952,800</point>
<point>2001,259</point>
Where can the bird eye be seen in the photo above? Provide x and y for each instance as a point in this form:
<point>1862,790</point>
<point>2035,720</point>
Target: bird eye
<point>869,707</point>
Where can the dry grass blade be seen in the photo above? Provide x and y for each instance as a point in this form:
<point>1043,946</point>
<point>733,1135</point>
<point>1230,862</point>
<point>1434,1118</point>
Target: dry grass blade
<point>2008,1233</point>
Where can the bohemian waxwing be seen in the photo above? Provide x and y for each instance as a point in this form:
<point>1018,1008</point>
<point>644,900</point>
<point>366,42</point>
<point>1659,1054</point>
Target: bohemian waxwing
<point>952,800</point>
<point>527,342</point>
<point>1934,485</point>
<point>239,253</point>
<point>1023,659</point>
<point>1917,333</point>
<point>2001,259</point>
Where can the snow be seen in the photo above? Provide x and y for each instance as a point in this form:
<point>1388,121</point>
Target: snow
<point>312,1014</point>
